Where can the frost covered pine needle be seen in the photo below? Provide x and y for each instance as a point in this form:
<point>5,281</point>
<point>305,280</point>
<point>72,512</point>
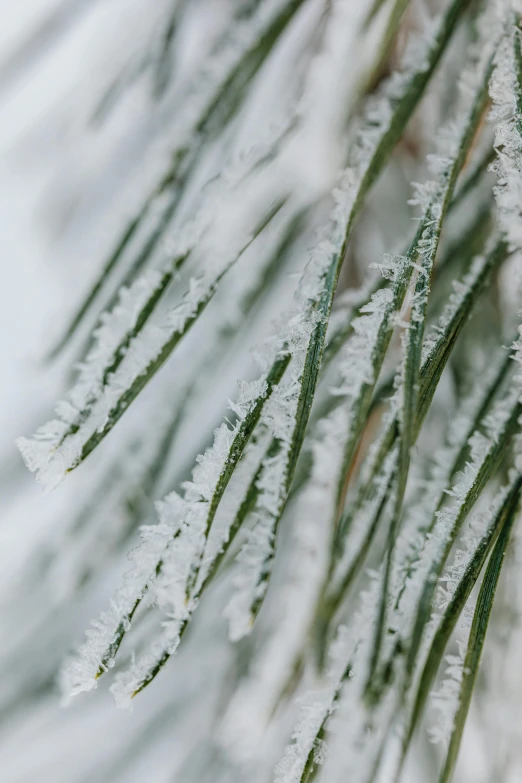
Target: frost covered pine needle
<point>346,505</point>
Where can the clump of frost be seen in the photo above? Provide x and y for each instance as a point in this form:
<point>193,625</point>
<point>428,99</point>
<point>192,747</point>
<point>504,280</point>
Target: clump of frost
<point>256,555</point>
<point>461,291</point>
<point>446,697</point>
<point>356,366</point>
<point>80,672</point>
<point>505,92</point>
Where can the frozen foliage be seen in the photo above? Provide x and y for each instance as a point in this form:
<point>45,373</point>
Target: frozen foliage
<point>270,673</point>
<point>446,697</point>
<point>421,516</point>
<point>356,366</point>
<point>506,94</point>
<point>362,525</point>
<point>80,673</point>
<point>345,665</point>
<point>338,507</point>
<point>126,345</point>
<point>463,493</point>
<point>474,541</point>
<point>176,543</point>
<point>280,418</point>
<point>462,289</point>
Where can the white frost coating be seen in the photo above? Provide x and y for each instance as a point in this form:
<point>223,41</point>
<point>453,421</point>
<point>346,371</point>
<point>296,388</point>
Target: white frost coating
<point>345,307</point>
<point>469,542</point>
<point>179,551</point>
<point>316,513</point>
<point>177,542</point>
<point>104,520</point>
<point>254,561</point>
<point>373,128</point>
<point>182,558</point>
<point>250,580</point>
<point>82,550</point>
<point>220,531</point>
<point>420,515</point>
<point>176,590</point>
<point>150,342</point>
<point>346,652</point>
<point>172,590</point>
<point>114,327</point>
<point>304,739</point>
<point>433,196</point>
<point>321,703</point>
<point>461,291</point>
<point>446,699</point>
<point>56,446</point>
<point>479,529</point>
<point>517,354</point>
<point>356,365</point>
<point>357,368</point>
<point>127,683</point>
<point>506,94</point>
<point>79,672</point>
<point>352,749</point>
<point>447,519</point>
<point>367,327</point>
<point>411,540</point>
<point>273,667</point>
<point>50,460</point>
<point>327,450</point>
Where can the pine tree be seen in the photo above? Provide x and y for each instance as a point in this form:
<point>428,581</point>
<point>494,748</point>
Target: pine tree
<point>321,198</point>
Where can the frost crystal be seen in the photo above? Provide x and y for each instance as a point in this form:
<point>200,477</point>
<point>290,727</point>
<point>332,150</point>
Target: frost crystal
<point>97,654</point>
<point>130,338</point>
<point>506,94</point>
<point>446,698</point>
